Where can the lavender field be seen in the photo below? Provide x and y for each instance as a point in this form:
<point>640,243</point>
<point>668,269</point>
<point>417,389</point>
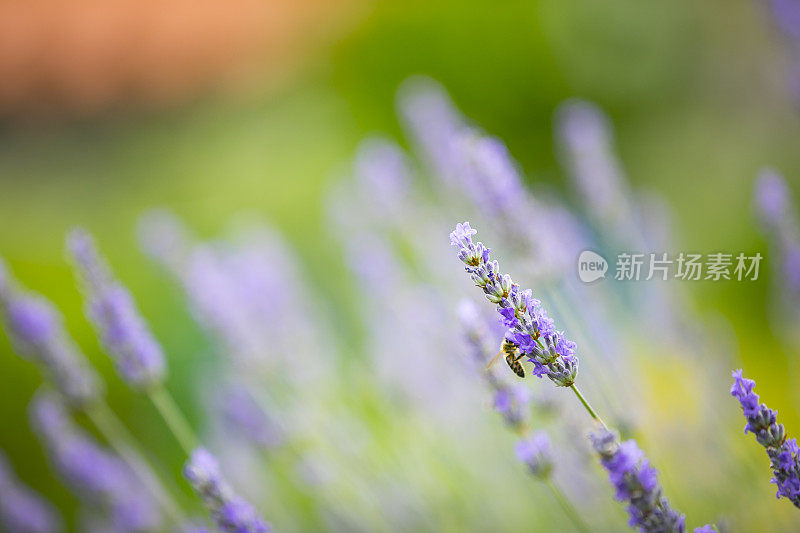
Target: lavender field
<point>400,267</point>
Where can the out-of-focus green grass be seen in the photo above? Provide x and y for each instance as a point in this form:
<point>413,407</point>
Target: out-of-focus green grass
<point>692,89</point>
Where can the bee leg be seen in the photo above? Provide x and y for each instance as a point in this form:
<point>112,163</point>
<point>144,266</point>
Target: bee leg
<point>494,360</point>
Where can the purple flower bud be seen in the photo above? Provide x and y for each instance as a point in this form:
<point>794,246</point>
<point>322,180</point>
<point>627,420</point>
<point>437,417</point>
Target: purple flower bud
<point>489,175</point>
<point>535,451</point>
<point>635,482</point>
<point>163,236</point>
<point>433,122</point>
<point>239,516</point>
<point>776,210</point>
<point>94,473</point>
<point>787,15</point>
<point>512,402</point>
<point>586,139</point>
<point>763,423</point>
<point>138,356</point>
<point>230,512</point>
<point>246,292</point>
<point>383,174</point>
<point>772,198</point>
<point>31,321</point>
<point>21,509</point>
<point>37,332</point>
<point>244,415</point>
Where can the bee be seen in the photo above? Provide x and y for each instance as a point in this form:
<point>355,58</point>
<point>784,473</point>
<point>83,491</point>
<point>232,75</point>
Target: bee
<point>512,358</point>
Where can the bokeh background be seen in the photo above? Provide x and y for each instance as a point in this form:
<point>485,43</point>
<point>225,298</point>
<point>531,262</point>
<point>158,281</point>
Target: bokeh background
<point>217,108</point>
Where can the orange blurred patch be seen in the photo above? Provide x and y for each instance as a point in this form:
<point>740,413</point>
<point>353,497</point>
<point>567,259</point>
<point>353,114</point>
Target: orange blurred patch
<point>83,56</point>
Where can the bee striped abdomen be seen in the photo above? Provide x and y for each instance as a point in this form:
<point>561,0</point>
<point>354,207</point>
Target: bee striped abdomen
<point>515,365</point>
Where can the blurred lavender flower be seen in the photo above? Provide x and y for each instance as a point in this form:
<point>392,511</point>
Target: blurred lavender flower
<point>784,455</point>
<point>383,175</point>
<point>37,331</point>
<point>530,330</point>
<point>91,471</point>
<point>535,451</point>
<point>635,481</point>
<point>787,16</point>
<point>21,509</point>
<point>247,292</point>
<point>138,356</point>
<point>775,208</point>
<point>242,414</point>
<point>433,122</point>
<point>489,175</point>
<point>511,401</point>
<point>585,137</point>
<point>772,199</point>
<point>480,167</point>
<point>494,183</point>
<point>624,220</point>
<point>231,513</point>
<point>402,347</point>
<point>164,237</point>
<point>215,301</point>
<point>194,526</point>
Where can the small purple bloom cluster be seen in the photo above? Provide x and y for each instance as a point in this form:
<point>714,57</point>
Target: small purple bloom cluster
<point>231,513</point>
<point>37,332</point>
<point>784,455</point>
<point>96,474</point>
<point>771,197</point>
<point>111,308</point>
<point>536,452</point>
<point>511,401</point>
<point>635,481</point>
<point>244,415</point>
<point>21,509</point>
<point>529,327</point>
<point>586,138</point>
<point>779,217</point>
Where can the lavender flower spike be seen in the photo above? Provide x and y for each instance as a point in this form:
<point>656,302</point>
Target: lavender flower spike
<point>535,451</point>
<point>784,455</point>
<point>773,199</point>
<point>530,330</point>
<point>139,358</point>
<point>635,481</point>
<point>231,513</point>
<point>21,509</point>
<point>98,476</point>
<point>36,330</point>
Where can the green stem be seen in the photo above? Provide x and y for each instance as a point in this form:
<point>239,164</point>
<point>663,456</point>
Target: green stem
<point>174,418</point>
<point>121,440</point>
<point>565,504</point>
<point>588,407</point>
